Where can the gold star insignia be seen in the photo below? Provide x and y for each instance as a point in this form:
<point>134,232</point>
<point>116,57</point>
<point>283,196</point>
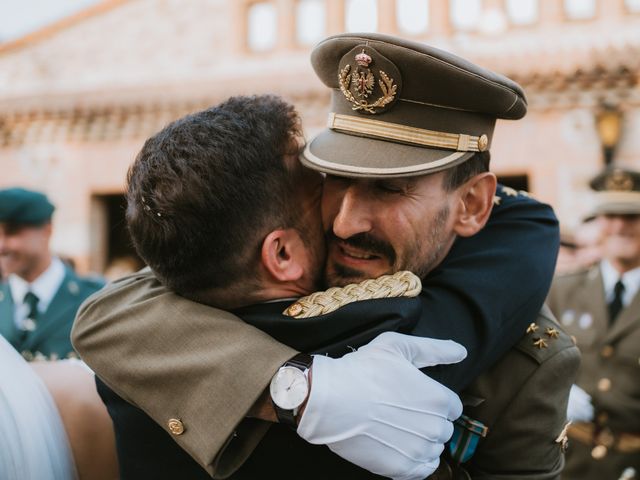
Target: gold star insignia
<point>532,328</point>
<point>540,343</point>
<point>496,200</point>
<point>509,191</point>
<point>552,332</point>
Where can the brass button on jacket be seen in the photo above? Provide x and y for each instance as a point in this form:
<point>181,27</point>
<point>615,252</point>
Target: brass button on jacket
<point>607,351</point>
<point>604,384</point>
<point>599,452</point>
<point>175,426</point>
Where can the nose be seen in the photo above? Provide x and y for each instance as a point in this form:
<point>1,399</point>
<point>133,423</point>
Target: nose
<point>354,215</point>
<point>616,223</point>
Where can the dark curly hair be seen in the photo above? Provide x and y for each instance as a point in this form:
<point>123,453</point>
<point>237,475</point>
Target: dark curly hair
<point>204,192</point>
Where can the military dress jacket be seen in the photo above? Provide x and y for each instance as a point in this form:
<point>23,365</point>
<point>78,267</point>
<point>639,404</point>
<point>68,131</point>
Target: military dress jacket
<point>610,373</point>
<point>520,404</point>
<point>50,339</point>
<point>142,339</point>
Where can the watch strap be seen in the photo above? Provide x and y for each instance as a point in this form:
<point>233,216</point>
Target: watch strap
<point>301,361</point>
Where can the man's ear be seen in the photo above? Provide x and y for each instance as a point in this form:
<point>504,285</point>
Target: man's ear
<point>282,255</point>
<point>47,229</point>
<point>475,204</point>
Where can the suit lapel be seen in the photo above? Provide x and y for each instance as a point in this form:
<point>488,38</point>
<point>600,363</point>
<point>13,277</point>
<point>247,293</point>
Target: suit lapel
<point>628,319</point>
<point>7,324</point>
<point>595,303</point>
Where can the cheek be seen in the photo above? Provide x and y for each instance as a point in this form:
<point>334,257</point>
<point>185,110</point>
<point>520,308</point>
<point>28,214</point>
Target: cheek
<point>15,243</point>
<point>32,244</point>
<point>328,210</point>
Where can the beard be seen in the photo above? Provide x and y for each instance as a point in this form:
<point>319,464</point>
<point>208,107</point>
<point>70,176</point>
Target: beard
<point>421,255</point>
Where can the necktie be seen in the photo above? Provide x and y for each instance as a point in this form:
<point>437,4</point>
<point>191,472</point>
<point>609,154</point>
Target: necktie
<point>616,304</point>
<point>31,299</point>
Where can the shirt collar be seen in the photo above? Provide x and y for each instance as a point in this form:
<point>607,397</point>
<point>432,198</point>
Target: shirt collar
<point>44,287</point>
<point>630,279</point>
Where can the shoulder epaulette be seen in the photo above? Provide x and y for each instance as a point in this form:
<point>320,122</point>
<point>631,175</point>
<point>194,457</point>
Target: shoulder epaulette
<point>578,271</point>
<point>544,337</point>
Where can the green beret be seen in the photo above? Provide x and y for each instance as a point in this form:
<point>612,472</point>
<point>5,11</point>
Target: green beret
<point>403,108</point>
<point>21,206</point>
<point>617,191</point>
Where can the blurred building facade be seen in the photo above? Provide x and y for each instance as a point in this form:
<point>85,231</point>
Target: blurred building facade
<point>79,97</point>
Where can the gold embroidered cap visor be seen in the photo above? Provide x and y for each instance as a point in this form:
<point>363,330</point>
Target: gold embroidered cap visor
<point>617,192</point>
<point>402,108</point>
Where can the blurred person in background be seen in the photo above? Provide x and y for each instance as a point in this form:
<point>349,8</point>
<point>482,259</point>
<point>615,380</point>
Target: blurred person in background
<point>600,306</point>
<point>580,247</point>
<point>40,296</point>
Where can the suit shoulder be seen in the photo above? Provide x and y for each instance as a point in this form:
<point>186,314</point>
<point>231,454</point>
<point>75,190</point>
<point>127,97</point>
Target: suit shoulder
<point>545,338</point>
<point>91,283</point>
<point>83,285</point>
<point>575,278</point>
<point>577,274</point>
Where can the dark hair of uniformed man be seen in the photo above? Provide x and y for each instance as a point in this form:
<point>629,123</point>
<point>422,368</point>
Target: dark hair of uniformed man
<point>204,192</point>
<point>456,176</point>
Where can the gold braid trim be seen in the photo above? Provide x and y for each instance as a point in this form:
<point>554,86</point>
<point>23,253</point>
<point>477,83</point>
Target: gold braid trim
<point>400,284</point>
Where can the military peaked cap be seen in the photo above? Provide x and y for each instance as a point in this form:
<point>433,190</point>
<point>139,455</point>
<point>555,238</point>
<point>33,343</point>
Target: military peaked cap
<point>402,108</point>
<point>617,191</point>
<point>21,206</point>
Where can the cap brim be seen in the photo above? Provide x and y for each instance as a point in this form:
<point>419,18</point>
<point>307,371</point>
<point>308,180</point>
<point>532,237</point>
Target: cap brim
<point>347,155</point>
<point>617,203</point>
<point>616,209</point>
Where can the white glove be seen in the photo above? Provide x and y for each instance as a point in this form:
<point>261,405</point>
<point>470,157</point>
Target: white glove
<point>374,408</point>
<point>580,408</point>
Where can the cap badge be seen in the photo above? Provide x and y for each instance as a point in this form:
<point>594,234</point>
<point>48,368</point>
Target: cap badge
<point>358,85</point>
<point>619,181</point>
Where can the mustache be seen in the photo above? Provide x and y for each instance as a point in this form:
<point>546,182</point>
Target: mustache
<point>367,242</point>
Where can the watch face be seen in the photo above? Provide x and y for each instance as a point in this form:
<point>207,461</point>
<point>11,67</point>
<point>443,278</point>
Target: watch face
<point>289,388</point>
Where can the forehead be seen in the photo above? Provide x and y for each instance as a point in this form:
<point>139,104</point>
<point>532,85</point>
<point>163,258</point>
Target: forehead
<point>10,229</point>
<point>626,217</point>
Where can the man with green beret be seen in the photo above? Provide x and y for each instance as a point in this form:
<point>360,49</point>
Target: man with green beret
<point>600,307</point>
<point>40,297</point>
<point>407,186</point>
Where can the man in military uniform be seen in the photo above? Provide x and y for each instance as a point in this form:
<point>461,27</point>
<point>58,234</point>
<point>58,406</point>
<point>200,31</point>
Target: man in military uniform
<point>600,307</point>
<point>41,295</point>
<point>388,152</point>
<point>540,370</point>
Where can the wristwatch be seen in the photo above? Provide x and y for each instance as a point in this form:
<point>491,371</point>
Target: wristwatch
<point>290,387</point>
